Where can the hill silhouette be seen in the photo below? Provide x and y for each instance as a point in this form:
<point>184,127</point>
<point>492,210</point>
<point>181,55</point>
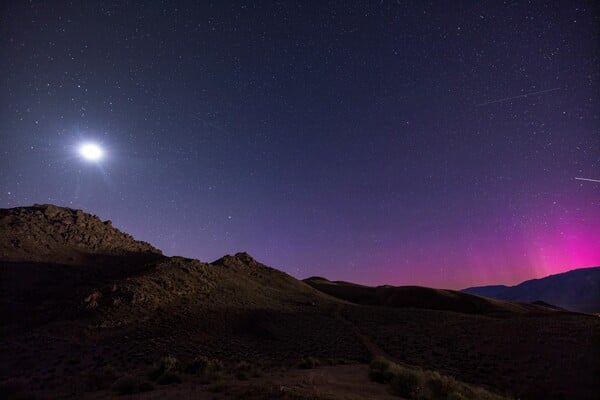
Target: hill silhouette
<point>86,309</point>
<point>419,297</point>
<point>577,290</point>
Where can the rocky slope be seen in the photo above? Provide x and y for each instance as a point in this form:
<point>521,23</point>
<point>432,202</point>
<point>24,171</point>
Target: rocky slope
<point>48,233</point>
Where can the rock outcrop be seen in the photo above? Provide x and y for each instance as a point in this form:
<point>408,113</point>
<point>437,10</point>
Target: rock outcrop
<point>48,233</point>
<point>239,260</point>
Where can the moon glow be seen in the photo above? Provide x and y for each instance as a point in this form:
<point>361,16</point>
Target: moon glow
<point>91,152</point>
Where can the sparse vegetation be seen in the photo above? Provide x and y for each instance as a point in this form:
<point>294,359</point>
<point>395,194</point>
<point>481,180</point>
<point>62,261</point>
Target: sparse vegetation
<point>166,372</point>
<point>407,383</point>
<point>308,362</point>
<point>414,383</point>
<point>242,370</point>
<point>209,370</point>
<point>380,370</point>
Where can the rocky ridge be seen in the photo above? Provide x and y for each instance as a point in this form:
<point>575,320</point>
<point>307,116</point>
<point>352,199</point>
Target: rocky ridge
<point>44,233</point>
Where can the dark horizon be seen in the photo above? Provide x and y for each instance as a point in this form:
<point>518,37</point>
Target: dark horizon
<point>377,142</point>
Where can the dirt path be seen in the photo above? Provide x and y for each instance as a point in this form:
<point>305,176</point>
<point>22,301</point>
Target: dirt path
<point>373,349</point>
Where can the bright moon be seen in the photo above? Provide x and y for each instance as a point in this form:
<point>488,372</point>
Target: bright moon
<point>91,152</point>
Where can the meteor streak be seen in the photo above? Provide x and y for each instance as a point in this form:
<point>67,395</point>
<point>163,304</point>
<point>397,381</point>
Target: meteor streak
<point>588,179</point>
<point>518,97</point>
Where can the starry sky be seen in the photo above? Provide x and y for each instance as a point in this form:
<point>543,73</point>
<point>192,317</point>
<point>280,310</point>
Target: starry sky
<point>375,141</point>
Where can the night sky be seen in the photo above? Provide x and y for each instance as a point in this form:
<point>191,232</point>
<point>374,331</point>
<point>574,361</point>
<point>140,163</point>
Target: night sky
<point>380,142</point>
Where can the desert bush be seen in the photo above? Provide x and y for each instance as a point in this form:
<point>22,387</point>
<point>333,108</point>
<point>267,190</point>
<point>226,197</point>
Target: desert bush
<point>406,383</point>
<point>308,362</point>
<point>207,369</point>
<point>379,370</point>
<point>242,370</point>
<point>414,383</point>
<point>165,372</point>
<point>169,363</point>
<point>441,386</point>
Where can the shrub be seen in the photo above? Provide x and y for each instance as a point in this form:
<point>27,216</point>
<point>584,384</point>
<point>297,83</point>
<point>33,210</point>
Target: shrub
<point>441,387</point>
<point>406,383</point>
<point>412,383</point>
<point>242,370</point>
<point>207,369</point>
<point>165,372</point>
<point>169,363</point>
<point>308,362</point>
<point>379,370</point>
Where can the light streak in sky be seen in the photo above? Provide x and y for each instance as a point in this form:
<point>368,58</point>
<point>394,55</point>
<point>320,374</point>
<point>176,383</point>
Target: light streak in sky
<point>588,179</point>
<point>518,97</point>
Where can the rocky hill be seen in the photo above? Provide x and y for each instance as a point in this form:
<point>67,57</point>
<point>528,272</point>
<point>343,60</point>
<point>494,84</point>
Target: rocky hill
<point>56,234</point>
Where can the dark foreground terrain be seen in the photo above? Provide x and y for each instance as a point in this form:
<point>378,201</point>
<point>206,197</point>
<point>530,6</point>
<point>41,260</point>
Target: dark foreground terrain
<point>88,312</point>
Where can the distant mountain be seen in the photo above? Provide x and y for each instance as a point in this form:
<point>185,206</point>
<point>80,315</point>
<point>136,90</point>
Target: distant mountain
<point>577,290</point>
<point>419,297</point>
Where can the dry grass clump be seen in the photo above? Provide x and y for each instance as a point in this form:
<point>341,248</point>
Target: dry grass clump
<point>209,370</point>
<point>413,383</point>
<point>166,371</point>
<point>308,362</point>
<point>244,370</point>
